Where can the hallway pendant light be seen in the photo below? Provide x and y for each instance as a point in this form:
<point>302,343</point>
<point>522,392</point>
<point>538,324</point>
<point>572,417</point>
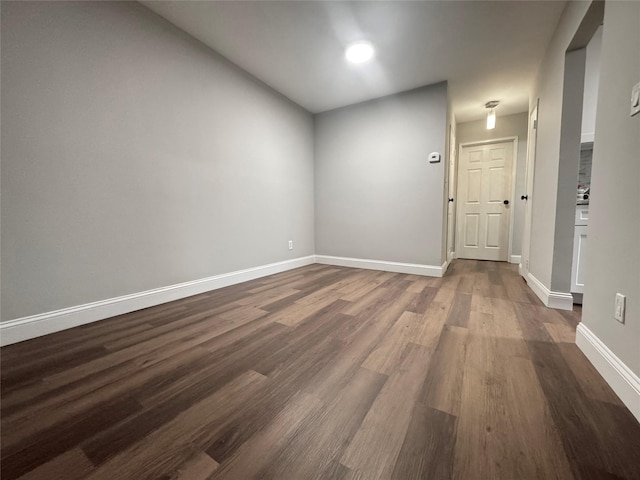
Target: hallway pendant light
<point>491,116</point>
<point>359,52</point>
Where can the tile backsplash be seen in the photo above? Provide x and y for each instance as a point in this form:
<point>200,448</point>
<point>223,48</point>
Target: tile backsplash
<point>586,156</point>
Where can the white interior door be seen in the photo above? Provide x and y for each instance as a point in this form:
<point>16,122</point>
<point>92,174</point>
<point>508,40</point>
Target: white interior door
<point>484,201</point>
<point>531,159</point>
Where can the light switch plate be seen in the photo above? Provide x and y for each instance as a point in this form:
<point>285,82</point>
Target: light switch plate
<point>619,307</point>
<point>635,99</point>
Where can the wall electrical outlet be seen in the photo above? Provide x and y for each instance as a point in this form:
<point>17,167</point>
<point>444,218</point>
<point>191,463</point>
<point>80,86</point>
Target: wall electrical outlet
<point>290,244</point>
<point>619,308</point>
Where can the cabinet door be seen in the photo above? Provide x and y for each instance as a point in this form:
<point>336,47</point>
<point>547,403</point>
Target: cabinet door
<point>579,249</point>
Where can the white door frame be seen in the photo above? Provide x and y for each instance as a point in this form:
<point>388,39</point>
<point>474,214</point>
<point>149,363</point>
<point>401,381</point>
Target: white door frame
<point>529,183</point>
<point>514,168</point>
<point>451,193</point>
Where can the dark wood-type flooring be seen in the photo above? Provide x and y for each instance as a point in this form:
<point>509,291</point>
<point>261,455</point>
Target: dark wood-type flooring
<point>320,373</point>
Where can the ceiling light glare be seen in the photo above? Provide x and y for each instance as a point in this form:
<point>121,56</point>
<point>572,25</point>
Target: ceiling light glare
<point>491,116</point>
<point>359,52</point>
<point>491,120</point>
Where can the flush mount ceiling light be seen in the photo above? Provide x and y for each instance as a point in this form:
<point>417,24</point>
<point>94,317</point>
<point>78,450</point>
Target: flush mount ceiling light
<point>491,116</point>
<point>359,52</point>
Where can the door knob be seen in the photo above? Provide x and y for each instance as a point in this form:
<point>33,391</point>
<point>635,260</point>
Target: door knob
<point>524,197</point>
<point>450,200</point>
<point>506,202</point>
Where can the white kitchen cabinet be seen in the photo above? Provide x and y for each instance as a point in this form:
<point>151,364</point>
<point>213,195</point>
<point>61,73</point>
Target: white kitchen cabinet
<point>579,250</point>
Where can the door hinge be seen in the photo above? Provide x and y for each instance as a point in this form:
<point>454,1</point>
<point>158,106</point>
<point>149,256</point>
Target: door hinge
<point>535,124</point>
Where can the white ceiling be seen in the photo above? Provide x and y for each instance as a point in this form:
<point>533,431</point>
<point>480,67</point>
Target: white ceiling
<point>486,50</point>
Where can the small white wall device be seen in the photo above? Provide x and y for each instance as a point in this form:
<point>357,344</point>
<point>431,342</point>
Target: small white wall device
<point>434,157</point>
<point>635,99</point>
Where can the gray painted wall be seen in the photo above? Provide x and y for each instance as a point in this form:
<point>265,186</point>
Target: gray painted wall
<point>133,157</point>
<point>377,196</point>
<point>549,89</point>
<point>613,256</point>
<point>507,126</point>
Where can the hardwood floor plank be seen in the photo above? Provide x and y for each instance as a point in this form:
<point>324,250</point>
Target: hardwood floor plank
<point>24,374</point>
<point>200,467</point>
<point>34,451</point>
<point>110,366</point>
<point>377,443</point>
<point>331,379</point>
<point>385,310</point>
<point>498,291</point>
<point>336,471</point>
<point>418,285</point>
<point>517,290</point>
<point>466,283</point>
<point>371,281</point>
<point>502,323</point>
<point>313,331</point>
<point>561,333</point>
<point>83,399</point>
<point>426,295</point>
<point>332,290</point>
<point>481,285</point>
<point>369,302</point>
<point>494,277</point>
<point>460,308</point>
<point>279,304</point>
<point>587,376</point>
<point>433,321</point>
<point>297,312</point>
<point>428,447</point>
<point>71,465</point>
<point>267,444</point>
<point>585,425</point>
<point>498,376</point>
<point>243,314</point>
<point>359,336</point>
<point>270,401</point>
<point>481,304</point>
<point>320,443</point>
<point>163,450</point>
<point>325,277</point>
<point>442,389</point>
<point>533,425</point>
<point>267,296</point>
<point>445,295</point>
<point>450,281</point>
<point>129,353</point>
<point>387,356</point>
<point>168,396</point>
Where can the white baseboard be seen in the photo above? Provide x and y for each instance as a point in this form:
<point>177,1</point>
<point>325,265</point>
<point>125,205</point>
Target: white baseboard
<point>13,331</point>
<point>451,256</point>
<point>577,298</point>
<point>411,268</point>
<point>620,378</point>
<point>559,300</point>
<point>445,267</point>
<point>515,259</point>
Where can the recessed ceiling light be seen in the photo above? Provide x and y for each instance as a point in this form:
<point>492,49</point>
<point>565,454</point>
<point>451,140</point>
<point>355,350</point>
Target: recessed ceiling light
<point>359,52</point>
